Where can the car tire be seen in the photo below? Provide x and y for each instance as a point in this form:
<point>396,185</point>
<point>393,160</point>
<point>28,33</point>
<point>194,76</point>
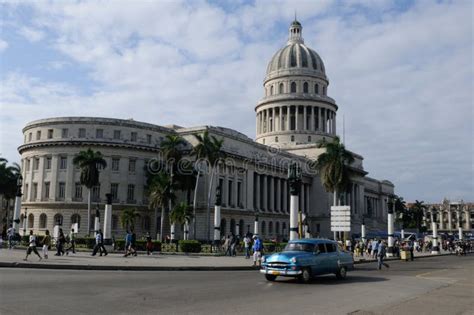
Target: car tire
<point>270,277</point>
<point>341,273</point>
<point>305,276</point>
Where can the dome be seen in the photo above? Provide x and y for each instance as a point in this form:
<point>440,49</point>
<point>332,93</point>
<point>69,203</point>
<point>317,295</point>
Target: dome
<point>296,56</point>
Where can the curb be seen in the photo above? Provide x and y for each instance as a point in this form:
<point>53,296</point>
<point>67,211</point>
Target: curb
<point>397,258</point>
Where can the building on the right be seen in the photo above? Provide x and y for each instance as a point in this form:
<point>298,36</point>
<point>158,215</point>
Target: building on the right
<point>450,216</point>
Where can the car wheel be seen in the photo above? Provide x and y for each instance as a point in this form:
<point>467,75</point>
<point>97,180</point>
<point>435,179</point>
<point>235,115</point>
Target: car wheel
<point>341,273</point>
<point>305,276</point>
<point>270,277</point>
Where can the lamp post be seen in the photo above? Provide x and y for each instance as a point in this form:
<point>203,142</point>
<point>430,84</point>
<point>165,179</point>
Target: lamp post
<point>255,225</point>
<point>294,178</point>
<point>362,229</point>
<point>24,221</point>
<point>16,213</point>
<point>390,205</point>
<point>217,217</point>
<point>435,247</point>
<point>97,219</point>
<point>460,221</point>
<point>108,220</point>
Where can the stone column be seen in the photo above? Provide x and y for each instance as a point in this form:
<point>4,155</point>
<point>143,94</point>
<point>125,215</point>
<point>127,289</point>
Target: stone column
<point>305,118</point>
<point>450,220</point>
<point>285,196</point>
<point>108,220</point>
<point>278,192</point>
<point>297,125</point>
<point>271,203</point>
<point>257,190</point>
<point>288,117</point>
<point>217,223</point>
<point>320,119</point>
<point>265,192</point>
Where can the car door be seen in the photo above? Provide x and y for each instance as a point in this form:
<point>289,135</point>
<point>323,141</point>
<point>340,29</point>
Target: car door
<point>333,257</point>
<point>320,260</point>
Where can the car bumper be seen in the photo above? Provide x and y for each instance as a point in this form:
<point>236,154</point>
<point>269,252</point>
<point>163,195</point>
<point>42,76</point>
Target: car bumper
<point>284,273</point>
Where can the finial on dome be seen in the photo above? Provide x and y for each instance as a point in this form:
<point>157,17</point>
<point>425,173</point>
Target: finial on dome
<point>295,35</point>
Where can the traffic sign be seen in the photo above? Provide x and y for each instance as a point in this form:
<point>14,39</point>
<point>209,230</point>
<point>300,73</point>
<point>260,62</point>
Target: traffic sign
<point>340,218</point>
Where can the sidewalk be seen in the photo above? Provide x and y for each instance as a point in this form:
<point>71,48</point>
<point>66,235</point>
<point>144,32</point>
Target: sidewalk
<point>115,261</point>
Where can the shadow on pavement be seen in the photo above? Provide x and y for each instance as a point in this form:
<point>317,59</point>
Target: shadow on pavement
<point>331,280</point>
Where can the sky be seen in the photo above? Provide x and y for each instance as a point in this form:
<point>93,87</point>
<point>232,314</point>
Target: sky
<point>401,73</point>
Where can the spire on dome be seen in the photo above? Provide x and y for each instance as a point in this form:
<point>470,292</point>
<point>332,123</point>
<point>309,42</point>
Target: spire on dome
<point>295,35</point>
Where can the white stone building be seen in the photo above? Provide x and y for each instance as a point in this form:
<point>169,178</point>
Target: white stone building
<point>294,114</point>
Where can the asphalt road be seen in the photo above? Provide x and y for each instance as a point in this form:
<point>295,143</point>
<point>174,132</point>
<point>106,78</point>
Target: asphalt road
<point>441,285</point>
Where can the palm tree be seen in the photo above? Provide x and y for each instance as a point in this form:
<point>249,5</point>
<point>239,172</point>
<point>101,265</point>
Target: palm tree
<point>8,183</point>
<point>333,166</point>
<point>209,148</point>
<point>89,162</point>
<point>128,217</point>
<point>418,209</point>
<point>160,193</point>
<point>181,214</point>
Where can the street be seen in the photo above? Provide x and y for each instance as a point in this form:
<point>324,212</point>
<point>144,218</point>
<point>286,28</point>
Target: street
<point>441,285</point>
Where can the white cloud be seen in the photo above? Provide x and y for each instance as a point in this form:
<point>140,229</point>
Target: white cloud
<point>31,34</point>
<point>3,45</point>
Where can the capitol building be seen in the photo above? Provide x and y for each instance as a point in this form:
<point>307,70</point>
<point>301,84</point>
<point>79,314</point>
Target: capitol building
<point>294,114</point>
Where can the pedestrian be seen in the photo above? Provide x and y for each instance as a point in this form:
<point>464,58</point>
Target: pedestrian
<point>11,237</point>
<point>411,249</point>
<point>46,244</point>
<point>381,252</point>
<point>247,242</point>
<point>131,240</point>
<point>72,239</point>
<point>32,247</point>
<point>99,244</point>
<point>233,244</point>
<point>60,243</point>
<point>149,244</point>
<point>227,246</point>
<point>375,248</point>
<point>348,245</point>
<point>128,241</point>
<point>257,251</point>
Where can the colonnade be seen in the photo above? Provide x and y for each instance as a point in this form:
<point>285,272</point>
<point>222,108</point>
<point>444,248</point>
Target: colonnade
<point>296,117</point>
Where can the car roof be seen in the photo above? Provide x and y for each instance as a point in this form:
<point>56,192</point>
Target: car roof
<point>312,240</point>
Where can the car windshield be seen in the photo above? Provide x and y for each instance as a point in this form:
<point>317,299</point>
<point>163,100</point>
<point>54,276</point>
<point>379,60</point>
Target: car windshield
<point>299,247</point>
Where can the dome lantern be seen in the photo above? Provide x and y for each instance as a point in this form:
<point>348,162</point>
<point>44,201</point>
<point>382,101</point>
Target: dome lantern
<point>295,33</point>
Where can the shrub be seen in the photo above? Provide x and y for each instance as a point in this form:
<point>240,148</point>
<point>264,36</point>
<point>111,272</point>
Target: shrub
<point>140,245</point>
<point>87,242</point>
<point>190,246</point>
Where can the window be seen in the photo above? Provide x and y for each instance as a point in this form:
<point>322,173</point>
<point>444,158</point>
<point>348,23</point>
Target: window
<point>31,220</point>
<point>239,194</point>
<point>48,163</point>
<point>321,248</point>
<point>133,137</point>
<point>229,193</point>
<point>293,87</point>
<point>50,133</point>
<point>277,228</point>
<point>46,189</point>
<point>280,88</point>
<point>292,138</point>
<point>62,162</point>
<point>30,136</point>
<point>115,222</point>
<point>38,135</point>
<point>271,90</point>
<point>305,87</point>
<point>27,165</point>
<point>76,218</point>
<point>114,191</point>
<point>309,138</point>
<point>117,134</point>
<point>299,247</point>
<point>270,228</point>
<point>82,132</point>
<point>64,133</point>
<point>43,220</point>
<point>148,139</point>
<point>26,191</point>
<point>115,164</point>
<point>146,223</point>
<point>35,191</point>
<point>316,88</point>
<point>276,139</point>
<point>78,191</point>
<point>62,190</point>
<point>324,90</point>
<point>264,228</point>
<point>99,133</point>
<point>36,163</point>
<point>58,219</point>
<point>132,165</point>
<point>331,247</point>
<point>131,193</point>
<point>96,193</point>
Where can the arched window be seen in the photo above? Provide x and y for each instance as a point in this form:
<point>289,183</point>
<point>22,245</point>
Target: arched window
<point>58,219</point>
<point>241,228</point>
<point>283,228</point>
<point>316,88</point>
<point>22,220</point>
<point>305,87</point>
<point>293,87</point>
<point>31,220</point>
<point>76,218</point>
<point>270,228</point>
<point>277,228</point>
<point>232,226</point>
<point>324,90</point>
<point>281,88</point>
<point>115,222</point>
<point>223,227</point>
<point>264,228</point>
<point>146,223</point>
<point>276,139</point>
<point>271,90</point>
<point>43,221</point>
<point>292,138</point>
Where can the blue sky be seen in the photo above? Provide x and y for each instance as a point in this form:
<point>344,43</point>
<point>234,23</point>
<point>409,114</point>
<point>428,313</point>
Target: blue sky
<point>400,71</point>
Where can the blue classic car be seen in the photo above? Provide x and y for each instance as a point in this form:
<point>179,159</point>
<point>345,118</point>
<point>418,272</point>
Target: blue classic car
<point>305,258</point>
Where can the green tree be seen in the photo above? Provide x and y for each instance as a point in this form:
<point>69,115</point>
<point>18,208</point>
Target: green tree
<point>181,215</point>
<point>333,166</point>
<point>89,162</point>
<point>417,211</point>
<point>8,184</point>
<point>210,149</point>
<point>160,193</point>
<point>128,217</point>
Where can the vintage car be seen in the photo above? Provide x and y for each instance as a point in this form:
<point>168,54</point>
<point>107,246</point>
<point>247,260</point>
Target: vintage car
<point>306,258</point>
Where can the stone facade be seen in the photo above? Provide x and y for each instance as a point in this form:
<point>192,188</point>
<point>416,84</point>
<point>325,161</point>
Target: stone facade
<point>450,215</point>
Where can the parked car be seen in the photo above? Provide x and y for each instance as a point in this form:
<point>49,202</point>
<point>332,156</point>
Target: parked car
<point>306,258</point>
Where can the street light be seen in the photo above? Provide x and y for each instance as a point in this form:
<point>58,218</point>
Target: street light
<point>24,221</point>
<point>390,210</point>
<point>460,221</point>
<point>16,214</point>
<point>435,247</point>
<point>294,178</point>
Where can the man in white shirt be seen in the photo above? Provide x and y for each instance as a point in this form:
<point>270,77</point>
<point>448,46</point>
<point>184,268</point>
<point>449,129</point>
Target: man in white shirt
<point>32,247</point>
<point>11,236</point>
<point>247,242</point>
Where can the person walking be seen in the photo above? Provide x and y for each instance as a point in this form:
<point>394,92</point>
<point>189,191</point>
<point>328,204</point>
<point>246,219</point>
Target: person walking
<point>149,244</point>
<point>247,242</point>
<point>381,252</point>
<point>11,237</point>
<point>257,251</point>
<point>128,241</point>
<point>32,247</point>
<point>72,239</point>
<point>233,244</point>
<point>99,244</point>
<point>60,243</point>
<point>227,246</point>
<point>131,240</point>
<point>46,244</point>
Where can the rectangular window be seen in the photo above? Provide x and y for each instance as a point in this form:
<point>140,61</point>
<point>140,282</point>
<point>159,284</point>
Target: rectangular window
<point>48,163</point>
<point>239,194</point>
<point>46,190</point>
<point>30,136</point>
<point>62,190</point>
<point>26,192</point>
<point>131,193</point>
<point>82,132</point>
<point>64,133</point>
<point>229,193</point>
<point>63,163</point>
<point>38,135</point>
<point>148,139</point>
<point>99,133</point>
<point>78,191</point>
<point>117,134</point>
<point>133,137</point>
<point>321,248</point>
<point>114,191</point>
<point>28,165</point>
<point>35,191</point>
<point>96,193</point>
<point>50,133</point>
<point>36,163</point>
<point>132,165</point>
<point>115,164</point>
